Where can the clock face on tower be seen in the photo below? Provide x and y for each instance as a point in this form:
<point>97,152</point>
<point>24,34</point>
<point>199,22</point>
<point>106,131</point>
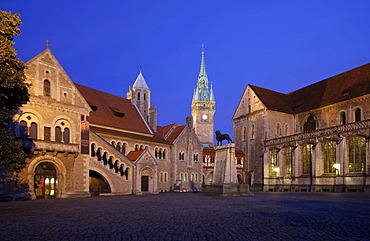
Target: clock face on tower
<point>204,117</point>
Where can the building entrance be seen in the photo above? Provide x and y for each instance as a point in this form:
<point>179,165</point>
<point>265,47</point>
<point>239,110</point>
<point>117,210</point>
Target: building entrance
<point>144,183</point>
<point>45,180</point>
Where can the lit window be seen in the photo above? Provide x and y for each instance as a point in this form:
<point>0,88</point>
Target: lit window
<point>306,158</point>
<point>329,156</point>
<point>357,154</point>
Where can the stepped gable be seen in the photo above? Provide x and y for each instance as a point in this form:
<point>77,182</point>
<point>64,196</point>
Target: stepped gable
<point>350,84</point>
<point>113,111</point>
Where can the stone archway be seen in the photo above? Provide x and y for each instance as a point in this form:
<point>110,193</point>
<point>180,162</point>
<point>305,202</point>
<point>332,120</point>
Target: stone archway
<point>59,178</point>
<point>98,184</point>
<point>45,180</point>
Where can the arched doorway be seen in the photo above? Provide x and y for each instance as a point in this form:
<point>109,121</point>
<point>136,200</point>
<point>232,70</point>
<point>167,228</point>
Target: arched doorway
<point>45,180</point>
<point>145,180</point>
<point>98,184</point>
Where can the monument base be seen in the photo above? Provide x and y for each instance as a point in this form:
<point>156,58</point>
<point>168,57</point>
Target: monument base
<point>226,189</point>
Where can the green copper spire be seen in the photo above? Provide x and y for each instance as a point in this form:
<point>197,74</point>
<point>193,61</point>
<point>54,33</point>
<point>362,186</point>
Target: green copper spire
<point>202,91</point>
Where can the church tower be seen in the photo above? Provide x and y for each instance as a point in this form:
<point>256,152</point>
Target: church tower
<point>203,107</point>
<point>139,94</point>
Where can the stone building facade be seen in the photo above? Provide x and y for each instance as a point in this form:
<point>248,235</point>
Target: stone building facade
<point>312,139</point>
<point>87,142</point>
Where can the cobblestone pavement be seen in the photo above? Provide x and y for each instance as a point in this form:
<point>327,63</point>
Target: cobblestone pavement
<point>189,216</point>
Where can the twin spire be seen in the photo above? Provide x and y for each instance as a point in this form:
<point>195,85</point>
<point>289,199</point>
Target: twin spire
<point>202,93</point>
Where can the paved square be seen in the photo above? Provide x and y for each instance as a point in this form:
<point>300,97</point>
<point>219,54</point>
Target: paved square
<point>189,216</point>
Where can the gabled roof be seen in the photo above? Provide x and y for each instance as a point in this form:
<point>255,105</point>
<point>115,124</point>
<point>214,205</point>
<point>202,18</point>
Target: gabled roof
<point>175,134</point>
<point>113,111</point>
<point>134,155</point>
<point>350,84</point>
<point>272,100</point>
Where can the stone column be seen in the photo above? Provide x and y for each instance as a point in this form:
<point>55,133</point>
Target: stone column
<point>225,165</point>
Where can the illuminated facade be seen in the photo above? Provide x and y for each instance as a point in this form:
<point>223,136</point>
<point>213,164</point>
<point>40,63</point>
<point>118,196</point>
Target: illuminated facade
<point>85,142</point>
<point>203,108</point>
<point>312,139</point>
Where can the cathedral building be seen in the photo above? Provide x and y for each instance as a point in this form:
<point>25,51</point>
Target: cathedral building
<point>85,142</point>
<point>312,139</point>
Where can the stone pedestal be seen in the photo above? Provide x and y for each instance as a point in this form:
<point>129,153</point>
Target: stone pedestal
<point>225,181</point>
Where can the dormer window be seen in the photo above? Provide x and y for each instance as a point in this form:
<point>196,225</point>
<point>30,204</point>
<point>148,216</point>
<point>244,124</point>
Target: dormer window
<point>93,107</point>
<point>117,112</point>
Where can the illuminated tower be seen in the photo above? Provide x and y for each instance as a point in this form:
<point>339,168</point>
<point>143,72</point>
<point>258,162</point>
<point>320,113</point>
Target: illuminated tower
<point>139,94</point>
<point>203,107</point>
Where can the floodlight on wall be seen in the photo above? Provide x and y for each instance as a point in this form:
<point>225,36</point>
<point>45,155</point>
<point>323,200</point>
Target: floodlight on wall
<point>337,168</point>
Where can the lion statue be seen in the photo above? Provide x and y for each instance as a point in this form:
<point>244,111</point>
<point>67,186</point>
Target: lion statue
<point>220,137</point>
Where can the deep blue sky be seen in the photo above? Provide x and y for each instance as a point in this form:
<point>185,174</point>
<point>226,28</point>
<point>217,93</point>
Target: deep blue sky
<point>280,45</point>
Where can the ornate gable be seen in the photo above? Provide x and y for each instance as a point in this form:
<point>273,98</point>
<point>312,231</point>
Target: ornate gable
<point>51,84</point>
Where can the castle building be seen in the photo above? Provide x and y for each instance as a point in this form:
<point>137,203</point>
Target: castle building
<point>312,139</point>
<point>85,142</point>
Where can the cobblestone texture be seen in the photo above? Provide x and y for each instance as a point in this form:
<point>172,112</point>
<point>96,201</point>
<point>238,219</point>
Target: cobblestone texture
<point>189,216</point>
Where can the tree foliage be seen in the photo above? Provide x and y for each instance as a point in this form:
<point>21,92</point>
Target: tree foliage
<point>13,93</point>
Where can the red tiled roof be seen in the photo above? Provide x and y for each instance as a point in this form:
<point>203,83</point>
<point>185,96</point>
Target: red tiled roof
<point>134,155</point>
<point>272,100</point>
<point>350,84</point>
<point>167,128</point>
<point>175,133</point>
<point>155,138</point>
<point>113,111</point>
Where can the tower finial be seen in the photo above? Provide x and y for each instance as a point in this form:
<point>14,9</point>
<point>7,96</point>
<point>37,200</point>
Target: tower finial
<point>202,64</point>
<point>47,44</point>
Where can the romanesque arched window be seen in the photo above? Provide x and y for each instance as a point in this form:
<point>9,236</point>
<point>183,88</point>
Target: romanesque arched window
<point>66,134</point>
<point>23,129</point>
<point>244,133</point>
<point>63,131</point>
<point>58,134</point>
<point>357,115</point>
<point>124,147</point>
<point>33,131</point>
<point>310,124</point>
<point>343,118</point>
<point>47,87</point>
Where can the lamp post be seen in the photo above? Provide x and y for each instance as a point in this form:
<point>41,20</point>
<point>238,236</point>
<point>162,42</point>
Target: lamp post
<point>337,173</point>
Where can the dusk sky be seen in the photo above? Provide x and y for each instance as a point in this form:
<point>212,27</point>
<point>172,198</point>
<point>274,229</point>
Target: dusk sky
<point>279,45</point>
